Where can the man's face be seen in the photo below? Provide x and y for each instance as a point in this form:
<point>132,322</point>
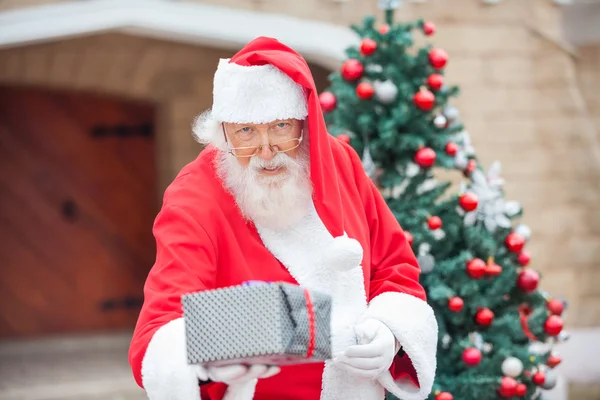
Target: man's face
<point>271,187</point>
<point>264,141</point>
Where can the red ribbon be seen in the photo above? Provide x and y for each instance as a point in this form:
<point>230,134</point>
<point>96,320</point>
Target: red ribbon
<point>311,324</point>
<point>524,312</point>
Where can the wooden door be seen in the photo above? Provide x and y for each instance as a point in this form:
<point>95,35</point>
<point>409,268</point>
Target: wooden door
<point>77,202</point>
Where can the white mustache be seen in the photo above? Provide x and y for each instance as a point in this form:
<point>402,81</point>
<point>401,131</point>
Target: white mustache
<point>280,160</point>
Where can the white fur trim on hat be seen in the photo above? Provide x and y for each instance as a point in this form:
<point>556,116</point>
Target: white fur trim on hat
<point>255,94</point>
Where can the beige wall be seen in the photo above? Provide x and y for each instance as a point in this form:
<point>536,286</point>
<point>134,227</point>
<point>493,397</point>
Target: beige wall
<point>588,68</point>
<point>522,101</point>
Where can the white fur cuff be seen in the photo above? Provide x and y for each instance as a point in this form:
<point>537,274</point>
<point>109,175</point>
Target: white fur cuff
<point>413,323</point>
<point>255,94</point>
<point>166,374</point>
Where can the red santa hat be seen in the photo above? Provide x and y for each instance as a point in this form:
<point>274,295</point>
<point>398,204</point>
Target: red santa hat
<point>266,81</point>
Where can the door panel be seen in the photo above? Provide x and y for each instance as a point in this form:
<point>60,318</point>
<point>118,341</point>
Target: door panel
<point>77,202</point>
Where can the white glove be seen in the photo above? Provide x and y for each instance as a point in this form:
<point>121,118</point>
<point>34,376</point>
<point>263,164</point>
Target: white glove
<point>237,374</point>
<point>373,355</point>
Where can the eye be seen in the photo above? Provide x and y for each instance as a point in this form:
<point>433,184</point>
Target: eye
<point>245,129</point>
<point>283,125</point>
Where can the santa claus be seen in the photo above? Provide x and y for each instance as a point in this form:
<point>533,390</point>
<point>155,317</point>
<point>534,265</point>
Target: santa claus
<point>274,197</point>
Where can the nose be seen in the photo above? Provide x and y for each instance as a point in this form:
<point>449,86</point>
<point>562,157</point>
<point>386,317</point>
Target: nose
<point>265,151</point>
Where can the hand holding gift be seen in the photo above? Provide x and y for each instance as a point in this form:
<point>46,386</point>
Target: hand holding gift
<point>374,352</point>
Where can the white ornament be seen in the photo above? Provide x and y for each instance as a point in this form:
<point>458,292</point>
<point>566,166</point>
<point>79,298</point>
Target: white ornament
<point>412,169</point>
<point>487,348</point>
<point>440,121</point>
<point>385,92</point>
<point>424,248</point>
<point>426,263</point>
<point>446,340</point>
<point>512,367</point>
<point>524,231</point>
<point>512,208</point>
<point>438,234</point>
<point>451,113</point>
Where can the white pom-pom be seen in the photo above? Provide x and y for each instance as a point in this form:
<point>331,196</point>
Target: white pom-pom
<point>344,254</point>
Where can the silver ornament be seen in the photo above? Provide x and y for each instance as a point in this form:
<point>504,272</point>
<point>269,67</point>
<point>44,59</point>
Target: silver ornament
<point>385,92</point>
<point>451,113</point>
<point>563,336</point>
<point>512,367</point>
<point>524,231</point>
<point>549,380</point>
<point>368,163</point>
<point>426,262</point>
<point>487,348</point>
<point>440,121</point>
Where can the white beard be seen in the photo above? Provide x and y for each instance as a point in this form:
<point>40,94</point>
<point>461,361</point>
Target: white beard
<point>276,202</point>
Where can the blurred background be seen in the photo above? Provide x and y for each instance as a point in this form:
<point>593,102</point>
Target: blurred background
<point>96,102</point>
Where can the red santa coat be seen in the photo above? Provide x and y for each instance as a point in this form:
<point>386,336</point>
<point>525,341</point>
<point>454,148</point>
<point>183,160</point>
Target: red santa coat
<point>203,242</point>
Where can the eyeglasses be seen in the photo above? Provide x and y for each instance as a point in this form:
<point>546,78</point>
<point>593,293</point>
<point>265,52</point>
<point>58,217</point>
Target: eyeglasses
<point>250,151</point>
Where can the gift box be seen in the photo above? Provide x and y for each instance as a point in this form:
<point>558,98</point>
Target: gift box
<point>257,323</point>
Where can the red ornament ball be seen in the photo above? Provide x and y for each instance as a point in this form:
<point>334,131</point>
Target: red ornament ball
<point>521,390</point>
<point>434,223</point>
<point>468,201</point>
<point>451,148</point>
<point>553,325</point>
<point>425,157</point>
<point>455,304</point>
<point>515,242</point>
<point>555,306</point>
<point>553,361</point>
<point>471,165</point>
<point>384,29</point>
<point>493,269</point>
<point>409,237</point>
<point>528,280</point>
<point>438,58</point>
<point>444,396</point>
<point>365,91</point>
<point>508,387</point>
<point>368,47</point>
<point>476,268</point>
<point>524,258</point>
<point>484,317</point>
<point>435,81</point>
<point>327,101</point>
<point>539,378</point>
<point>429,28</point>
<point>344,138</point>
<point>424,99</point>
<point>471,356</point>
<point>352,70</point>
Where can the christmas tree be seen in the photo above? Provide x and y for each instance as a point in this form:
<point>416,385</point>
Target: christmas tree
<point>496,329</point>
